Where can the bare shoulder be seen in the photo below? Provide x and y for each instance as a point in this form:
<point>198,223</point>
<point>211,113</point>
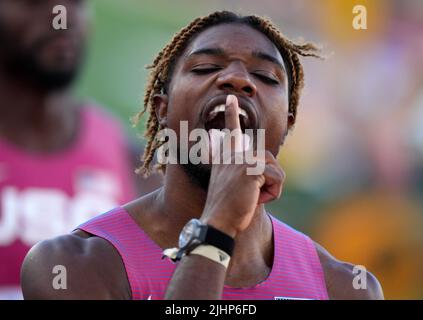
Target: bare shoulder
<point>341,278</point>
<point>74,266</point>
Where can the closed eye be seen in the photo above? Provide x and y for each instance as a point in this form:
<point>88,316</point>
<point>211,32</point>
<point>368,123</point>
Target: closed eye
<point>266,79</point>
<point>205,70</point>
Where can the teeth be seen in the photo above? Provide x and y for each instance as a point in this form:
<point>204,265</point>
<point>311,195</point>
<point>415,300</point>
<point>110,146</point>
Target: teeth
<point>221,108</point>
<point>217,109</point>
<point>242,112</point>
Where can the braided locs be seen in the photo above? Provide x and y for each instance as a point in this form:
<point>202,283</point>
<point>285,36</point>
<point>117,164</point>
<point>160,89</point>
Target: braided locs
<point>163,64</point>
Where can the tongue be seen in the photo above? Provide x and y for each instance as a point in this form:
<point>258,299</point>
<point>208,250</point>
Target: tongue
<point>218,122</point>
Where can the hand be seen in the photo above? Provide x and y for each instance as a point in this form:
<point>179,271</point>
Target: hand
<point>233,196</point>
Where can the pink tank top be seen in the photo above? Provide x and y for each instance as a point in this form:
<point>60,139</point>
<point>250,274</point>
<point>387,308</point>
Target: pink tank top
<point>296,272</point>
<point>46,195</point>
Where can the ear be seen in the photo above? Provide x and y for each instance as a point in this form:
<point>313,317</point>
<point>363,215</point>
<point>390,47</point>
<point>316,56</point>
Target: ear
<point>160,102</point>
<point>291,120</point>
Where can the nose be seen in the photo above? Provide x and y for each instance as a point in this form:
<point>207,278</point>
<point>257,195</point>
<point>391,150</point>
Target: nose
<point>236,79</point>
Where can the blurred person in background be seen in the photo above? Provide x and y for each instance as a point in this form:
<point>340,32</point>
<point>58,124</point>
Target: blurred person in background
<point>61,160</point>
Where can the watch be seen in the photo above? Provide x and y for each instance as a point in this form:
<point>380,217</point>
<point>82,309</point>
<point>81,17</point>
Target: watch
<point>196,233</point>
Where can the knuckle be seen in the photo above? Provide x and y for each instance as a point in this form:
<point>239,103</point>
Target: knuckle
<point>282,174</point>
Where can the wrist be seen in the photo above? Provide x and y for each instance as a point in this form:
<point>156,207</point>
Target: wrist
<point>220,225</point>
<point>212,253</point>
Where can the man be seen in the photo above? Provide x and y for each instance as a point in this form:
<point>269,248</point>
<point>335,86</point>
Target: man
<point>61,161</point>
<point>233,249</point>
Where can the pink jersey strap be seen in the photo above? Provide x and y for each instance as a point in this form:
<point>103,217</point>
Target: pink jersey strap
<point>296,272</point>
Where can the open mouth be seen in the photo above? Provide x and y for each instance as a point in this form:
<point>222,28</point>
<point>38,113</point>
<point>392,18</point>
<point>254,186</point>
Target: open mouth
<point>216,119</point>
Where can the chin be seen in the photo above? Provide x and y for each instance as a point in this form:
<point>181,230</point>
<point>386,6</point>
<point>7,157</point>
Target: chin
<point>199,174</point>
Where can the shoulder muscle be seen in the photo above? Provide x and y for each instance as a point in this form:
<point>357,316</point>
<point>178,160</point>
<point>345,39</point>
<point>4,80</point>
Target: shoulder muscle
<point>341,279</point>
<point>88,268</point>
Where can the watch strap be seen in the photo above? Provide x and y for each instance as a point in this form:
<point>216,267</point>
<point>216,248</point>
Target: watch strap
<point>219,240</point>
<point>212,253</point>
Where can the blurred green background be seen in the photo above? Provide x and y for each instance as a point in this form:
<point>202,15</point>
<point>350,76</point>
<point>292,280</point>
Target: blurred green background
<point>125,37</point>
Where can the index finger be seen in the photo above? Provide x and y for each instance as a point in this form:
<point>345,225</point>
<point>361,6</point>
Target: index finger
<point>232,122</point>
<point>232,113</point>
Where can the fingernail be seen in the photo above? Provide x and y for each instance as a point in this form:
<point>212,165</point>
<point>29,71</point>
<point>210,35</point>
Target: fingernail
<point>230,99</point>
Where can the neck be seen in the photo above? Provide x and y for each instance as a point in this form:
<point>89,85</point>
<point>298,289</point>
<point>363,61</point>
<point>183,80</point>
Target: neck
<point>33,117</point>
<point>181,200</point>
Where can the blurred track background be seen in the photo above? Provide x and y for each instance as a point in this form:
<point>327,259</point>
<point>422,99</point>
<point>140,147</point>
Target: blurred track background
<point>354,161</point>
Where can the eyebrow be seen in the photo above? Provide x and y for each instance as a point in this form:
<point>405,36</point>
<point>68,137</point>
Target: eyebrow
<point>265,56</point>
<point>220,52</point>
<point>208,51</point>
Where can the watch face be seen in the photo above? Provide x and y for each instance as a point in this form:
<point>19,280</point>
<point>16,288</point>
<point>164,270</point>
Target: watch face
<point>188,233</point>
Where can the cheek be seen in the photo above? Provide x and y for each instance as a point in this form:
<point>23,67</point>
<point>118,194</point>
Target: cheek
<point>12,28</point>
<point>185,100</point>
<point>19,21</point>
<point>182,108</point>
<point>276,125</point>
<point>274,135</point>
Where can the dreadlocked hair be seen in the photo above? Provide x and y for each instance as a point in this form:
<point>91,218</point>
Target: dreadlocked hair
<point>164,62</point>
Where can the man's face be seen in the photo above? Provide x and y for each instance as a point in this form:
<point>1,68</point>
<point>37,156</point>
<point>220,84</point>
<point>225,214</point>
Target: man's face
<point>31,47</point>
<point>230,59</point>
